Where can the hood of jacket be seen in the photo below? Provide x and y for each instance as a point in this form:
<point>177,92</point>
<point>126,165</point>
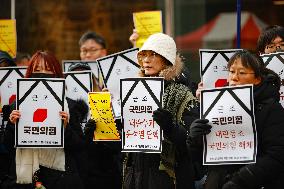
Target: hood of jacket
<point>267,89</point>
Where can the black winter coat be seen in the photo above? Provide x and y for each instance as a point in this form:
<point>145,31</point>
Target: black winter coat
<point>73,141</point>
<point>5,157</point>
<point>268,170</point>
<point>103,166</point>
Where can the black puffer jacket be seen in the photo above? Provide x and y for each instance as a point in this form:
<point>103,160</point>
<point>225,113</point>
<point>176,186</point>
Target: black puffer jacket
<point>73,141</point>
<point>268,170</point>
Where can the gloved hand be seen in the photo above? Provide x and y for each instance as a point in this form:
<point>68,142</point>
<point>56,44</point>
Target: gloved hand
<point>199,127</point>
<point>231,185</point>
<point>90,127</point>
<point>163,118</point>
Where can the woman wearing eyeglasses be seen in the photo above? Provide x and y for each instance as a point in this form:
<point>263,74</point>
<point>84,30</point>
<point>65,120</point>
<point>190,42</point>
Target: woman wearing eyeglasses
<point>247,68</point>
<point>173,167</point>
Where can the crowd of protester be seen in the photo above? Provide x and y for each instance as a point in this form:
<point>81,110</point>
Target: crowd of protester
<point>84,163</point>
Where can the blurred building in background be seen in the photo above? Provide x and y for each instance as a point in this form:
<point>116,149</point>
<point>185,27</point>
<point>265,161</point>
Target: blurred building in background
<point>221,32</point>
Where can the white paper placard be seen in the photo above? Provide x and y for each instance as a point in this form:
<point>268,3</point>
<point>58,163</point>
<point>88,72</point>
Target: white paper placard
<point>39,102</point>
<point>115,67</point>
<point>230,111</point>
<point>140,97</point>
<point>78,84</point>
<point>275,62</point>
<point>213,66</point>
<point>8,83</point>
<point>93,65</point>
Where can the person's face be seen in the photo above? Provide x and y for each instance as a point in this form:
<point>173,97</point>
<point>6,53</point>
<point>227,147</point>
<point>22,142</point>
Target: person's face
<point>240,75</point>
<point>276,45</point>
<point>152,62</point>
<point>91,50</point>
<point>41,67</point>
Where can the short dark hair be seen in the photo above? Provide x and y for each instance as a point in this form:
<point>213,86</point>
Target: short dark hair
<point>249,60</point>
<point>255,62</point>
<point>82,65</point>
<point>21,56</point>
<point>94,36</point>
<point>267,35</point>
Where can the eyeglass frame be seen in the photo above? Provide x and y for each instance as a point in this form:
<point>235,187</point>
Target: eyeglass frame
<point>239,74</point>
<point>150,57</point>
<point>91,51</point>
<point>273,46</point>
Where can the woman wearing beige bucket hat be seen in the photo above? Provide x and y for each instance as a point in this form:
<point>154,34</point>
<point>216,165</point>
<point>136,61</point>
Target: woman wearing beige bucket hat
<point>172,168</point>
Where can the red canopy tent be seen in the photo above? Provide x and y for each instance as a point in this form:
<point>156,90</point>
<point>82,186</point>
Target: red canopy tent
<point>221,33</point>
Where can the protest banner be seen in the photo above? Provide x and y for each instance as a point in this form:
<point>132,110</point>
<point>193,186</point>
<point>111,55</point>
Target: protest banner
<point>39,102</point>
<point>275,62</point>
<point>147,23</point>
<point>8,36</point>
<point>115,67</point>
<point>8,83</point>
<point>140,97</point>
<point>101,112</point>
<point>213,66</point>
<point>230,111</point>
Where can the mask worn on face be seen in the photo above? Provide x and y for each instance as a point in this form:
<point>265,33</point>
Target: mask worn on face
<point>42,75</point>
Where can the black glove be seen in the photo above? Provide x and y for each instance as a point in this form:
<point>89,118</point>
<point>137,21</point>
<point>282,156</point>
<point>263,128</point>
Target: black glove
<point>90,127</point>
<point>199,127</point>
<point>231,185</point>
<point>163,118</point>
<point>6,109</point>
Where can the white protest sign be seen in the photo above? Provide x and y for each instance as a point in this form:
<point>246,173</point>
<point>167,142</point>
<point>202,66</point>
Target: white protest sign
<point>275,62</point>
<point>39,101</point>
<point>213,66</point>
<point>140,97</point>
<point>78,84</point>
<point>230,111</point>
<point>115,67</point>
<point>93,65</point>
<point>8,83</point>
